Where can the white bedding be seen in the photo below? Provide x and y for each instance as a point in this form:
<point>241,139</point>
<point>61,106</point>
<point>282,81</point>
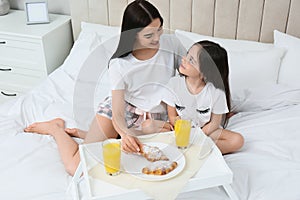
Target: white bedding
<point>267,167</point>
<point>30,164</point>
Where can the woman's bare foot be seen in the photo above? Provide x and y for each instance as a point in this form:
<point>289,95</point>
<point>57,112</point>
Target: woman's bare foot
<point>46,128</point>
<point>74,132</point>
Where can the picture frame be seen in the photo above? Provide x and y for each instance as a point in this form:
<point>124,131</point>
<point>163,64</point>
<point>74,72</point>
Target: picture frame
<point>37,12</point>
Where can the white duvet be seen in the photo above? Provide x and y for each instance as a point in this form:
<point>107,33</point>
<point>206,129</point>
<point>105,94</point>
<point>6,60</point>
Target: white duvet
<point>30,165</point>
<point>267,167</point>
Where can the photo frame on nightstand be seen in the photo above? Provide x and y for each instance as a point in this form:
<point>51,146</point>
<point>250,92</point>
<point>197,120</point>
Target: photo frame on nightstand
<point>36,12</point>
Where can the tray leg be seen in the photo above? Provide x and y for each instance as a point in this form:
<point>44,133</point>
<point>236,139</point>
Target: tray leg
<point>76,180</point>
<point>230,192</point>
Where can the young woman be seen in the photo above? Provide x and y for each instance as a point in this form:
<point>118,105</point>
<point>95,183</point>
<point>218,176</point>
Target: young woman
<point>143,62</point>
<point>202,93</point>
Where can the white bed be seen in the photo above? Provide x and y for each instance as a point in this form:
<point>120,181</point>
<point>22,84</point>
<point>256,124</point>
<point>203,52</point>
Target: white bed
<point>264,83</point>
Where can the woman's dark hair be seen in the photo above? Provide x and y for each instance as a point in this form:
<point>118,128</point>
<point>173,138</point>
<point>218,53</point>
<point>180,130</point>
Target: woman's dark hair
<point>137,15</point>
<point>214,66</point>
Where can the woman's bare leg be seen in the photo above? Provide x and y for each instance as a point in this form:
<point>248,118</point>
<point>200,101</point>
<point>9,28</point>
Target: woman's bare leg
<point>100,129</point>
<point>75,132</point>
<point>67,147</point>
<point>227,141</point>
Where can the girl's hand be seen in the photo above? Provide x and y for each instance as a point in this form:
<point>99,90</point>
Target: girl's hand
<point>131,144</point>
<point>150,126</point>
<point>168,127</point>
<point>177,118</point>
<point>230,114</point>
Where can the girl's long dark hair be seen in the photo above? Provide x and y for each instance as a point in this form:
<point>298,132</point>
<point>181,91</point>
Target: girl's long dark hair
<point>137,15</point>
<point>214,65</point>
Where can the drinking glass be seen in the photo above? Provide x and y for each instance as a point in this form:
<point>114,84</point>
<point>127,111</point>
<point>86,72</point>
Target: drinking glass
<point>182,132</point>
<point>112,156</point>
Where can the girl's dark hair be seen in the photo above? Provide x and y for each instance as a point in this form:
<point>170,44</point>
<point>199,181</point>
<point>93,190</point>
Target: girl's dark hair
<point>137,15</point>
<point>214,66</point>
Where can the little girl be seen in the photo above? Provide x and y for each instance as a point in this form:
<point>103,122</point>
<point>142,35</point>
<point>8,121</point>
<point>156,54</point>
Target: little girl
<point>201,92</point>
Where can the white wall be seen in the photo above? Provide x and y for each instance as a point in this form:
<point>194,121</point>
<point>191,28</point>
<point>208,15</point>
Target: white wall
<point>54,6</point>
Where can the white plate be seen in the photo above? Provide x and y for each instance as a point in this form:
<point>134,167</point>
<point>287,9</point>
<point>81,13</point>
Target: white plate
<point>133,164</point>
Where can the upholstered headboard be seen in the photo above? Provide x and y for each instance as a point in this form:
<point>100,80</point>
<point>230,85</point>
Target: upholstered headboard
<point>235,19</point>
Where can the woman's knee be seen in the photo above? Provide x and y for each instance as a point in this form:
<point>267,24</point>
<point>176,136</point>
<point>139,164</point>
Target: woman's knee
<point>103,126</point>
<point>237,141</point>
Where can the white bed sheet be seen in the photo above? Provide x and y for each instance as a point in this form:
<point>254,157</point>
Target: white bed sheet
<point>30,165</point>
<point>267,167</point>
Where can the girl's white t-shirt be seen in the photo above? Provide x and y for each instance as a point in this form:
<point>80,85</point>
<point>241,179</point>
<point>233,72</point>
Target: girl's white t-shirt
<point>198,107</point>
<point>144,81</point>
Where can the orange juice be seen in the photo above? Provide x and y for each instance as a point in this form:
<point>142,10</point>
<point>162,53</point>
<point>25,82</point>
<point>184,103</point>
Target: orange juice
<point>182,133</point>
<point>112,156</point>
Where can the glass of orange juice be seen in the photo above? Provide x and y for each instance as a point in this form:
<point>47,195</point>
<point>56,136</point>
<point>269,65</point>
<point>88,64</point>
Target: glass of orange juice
<point>182,132</point>
<point>112,156</point>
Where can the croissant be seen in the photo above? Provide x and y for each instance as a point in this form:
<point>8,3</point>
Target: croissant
<point>152,153</point>
<point>160,168</point>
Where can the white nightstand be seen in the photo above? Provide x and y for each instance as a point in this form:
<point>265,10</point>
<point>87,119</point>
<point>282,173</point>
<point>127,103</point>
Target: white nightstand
<point>28,53</point>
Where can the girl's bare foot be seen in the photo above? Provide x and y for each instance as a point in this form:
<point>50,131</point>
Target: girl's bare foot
<point>74,132</point>
<point>47,127</point>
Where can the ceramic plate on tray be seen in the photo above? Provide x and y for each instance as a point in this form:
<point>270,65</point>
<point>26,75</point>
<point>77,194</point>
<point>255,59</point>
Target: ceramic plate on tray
<point>133,164</point>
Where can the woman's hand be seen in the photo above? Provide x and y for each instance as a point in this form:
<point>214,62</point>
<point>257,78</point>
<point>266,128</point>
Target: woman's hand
<point>131,144</point>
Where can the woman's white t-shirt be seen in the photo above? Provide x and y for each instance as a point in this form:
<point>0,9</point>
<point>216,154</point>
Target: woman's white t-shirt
<point>198,107</point>
<point>144,81</point>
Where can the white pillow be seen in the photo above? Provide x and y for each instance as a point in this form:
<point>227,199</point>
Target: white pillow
<point>79,52</point>
<point>87,65</point>
<point>268,97</point>
<point>250,69</point>
<point>92,85</point>
<point>91,36</point>
<point>290,68</point>
<point>104,32</point>
<point>188,38</point>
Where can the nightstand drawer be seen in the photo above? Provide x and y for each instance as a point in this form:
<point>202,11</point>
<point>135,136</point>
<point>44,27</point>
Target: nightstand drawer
<point>19,42</point>
<point>21,80</point>
<point>17,50</point>
<point>7,70</point>
<point>8,93</point>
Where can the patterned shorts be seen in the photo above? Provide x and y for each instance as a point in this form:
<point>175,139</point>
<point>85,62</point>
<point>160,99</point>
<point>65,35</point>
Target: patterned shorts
<point>133,116</point>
